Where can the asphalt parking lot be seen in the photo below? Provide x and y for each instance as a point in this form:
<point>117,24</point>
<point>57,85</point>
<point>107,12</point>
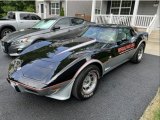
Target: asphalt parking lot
<point>123,94</point>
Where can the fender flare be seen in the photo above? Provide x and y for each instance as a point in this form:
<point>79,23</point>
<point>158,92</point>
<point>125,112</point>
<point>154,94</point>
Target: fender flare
<point>89,62</point>
<point>7,26</point>
<point>65,93</point>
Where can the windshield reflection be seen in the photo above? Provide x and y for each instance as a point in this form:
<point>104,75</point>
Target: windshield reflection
<point>44,24</point>
<point>103,34</point>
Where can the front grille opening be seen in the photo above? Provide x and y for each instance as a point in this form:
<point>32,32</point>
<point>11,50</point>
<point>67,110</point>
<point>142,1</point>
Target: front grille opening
<point>30,90</point>
<point>17,89</point>
<point>6,46</point>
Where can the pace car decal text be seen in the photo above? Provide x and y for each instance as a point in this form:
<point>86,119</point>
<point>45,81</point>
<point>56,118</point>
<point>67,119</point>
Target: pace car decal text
<point>125,48</point>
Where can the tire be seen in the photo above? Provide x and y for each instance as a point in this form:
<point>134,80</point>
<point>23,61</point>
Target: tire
<point>5,31</point>
<point>138,56</point>
<point>81,90</point>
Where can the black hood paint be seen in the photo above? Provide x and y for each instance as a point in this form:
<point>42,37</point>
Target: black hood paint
<point>41,61</point>
<point>24,33</point>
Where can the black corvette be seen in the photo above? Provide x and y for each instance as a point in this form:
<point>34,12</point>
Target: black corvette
<point>60,68</point>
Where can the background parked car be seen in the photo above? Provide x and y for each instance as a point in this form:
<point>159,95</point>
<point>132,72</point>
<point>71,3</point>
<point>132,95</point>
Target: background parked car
<point>17,20</point>
<point>47,29</point>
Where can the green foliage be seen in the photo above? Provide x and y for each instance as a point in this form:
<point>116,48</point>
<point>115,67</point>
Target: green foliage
<point>12,5</point>
<point>62,12</point>
<point>157,115</point>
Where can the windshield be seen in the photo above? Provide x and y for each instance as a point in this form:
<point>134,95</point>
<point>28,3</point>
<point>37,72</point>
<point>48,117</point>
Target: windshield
<point>101,33</point>
<point>44,24</point>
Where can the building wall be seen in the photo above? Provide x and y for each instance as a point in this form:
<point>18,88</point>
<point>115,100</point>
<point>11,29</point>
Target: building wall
<point>104,6</point>
<point>146,8</point>
<point>82,7</point>
<point>157,22</point>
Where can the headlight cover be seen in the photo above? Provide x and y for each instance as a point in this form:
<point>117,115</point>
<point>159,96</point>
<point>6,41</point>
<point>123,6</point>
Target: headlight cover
<point>21,41</point>
<point>14,66</point>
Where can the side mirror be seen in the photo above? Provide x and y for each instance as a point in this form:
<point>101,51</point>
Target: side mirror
<point>133,39</point>
<point>56,28</point>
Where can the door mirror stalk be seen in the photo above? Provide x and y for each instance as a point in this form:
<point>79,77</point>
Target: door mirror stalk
<point>56,28</point>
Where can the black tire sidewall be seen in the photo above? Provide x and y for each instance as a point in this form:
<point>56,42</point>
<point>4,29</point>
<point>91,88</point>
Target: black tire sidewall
<point>135,57</point>
<point>79,81</point>
<point>3,30</point>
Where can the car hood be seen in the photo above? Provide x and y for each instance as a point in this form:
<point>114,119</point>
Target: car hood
<point>23,33</point>
<point>43,63</point>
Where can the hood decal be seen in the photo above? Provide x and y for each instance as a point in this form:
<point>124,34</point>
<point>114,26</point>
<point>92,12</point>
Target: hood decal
<point>78,46</point>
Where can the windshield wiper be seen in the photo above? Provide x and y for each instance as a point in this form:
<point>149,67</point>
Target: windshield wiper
<point>34,28</point>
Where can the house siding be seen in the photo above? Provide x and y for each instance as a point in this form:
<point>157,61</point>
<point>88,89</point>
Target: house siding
<point>82,7</point>
<point>104,6</point>
<point>146,8</point>
<point>157,23</point>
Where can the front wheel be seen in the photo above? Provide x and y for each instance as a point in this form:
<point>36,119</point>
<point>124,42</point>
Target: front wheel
<point>5,31</point>
<point>137,58</point>
<point>86,83</point>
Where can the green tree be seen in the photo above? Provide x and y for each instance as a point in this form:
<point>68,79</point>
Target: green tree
<point>62,12</point>
<point>12,5</point>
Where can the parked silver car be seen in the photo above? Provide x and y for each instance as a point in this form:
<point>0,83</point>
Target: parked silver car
<point>47,29</point>
<point>17,20</point>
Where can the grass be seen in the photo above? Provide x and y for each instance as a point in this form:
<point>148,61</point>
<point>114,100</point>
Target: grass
<point>157,115</point>
<point>153,110</point>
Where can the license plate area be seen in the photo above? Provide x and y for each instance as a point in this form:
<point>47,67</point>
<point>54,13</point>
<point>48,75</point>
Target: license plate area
<point>13,84</point>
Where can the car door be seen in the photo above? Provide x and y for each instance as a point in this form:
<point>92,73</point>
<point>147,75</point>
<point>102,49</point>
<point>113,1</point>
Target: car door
<point>77,26</point>
<point>64,25</point>
<point>25,21</point>
<point>119,51</point>
<point>124,45</point>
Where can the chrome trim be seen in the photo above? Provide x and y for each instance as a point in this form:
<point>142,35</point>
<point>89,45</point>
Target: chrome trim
<point>14,54</point>
<point>140,43</point>
<point>107,68</point>
<point>144,40</point>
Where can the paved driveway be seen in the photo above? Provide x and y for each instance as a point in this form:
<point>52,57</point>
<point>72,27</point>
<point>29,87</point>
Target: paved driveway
<point>123,94</point>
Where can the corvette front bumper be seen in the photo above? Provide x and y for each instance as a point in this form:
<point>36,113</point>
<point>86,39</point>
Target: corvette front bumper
<point>59,91</point>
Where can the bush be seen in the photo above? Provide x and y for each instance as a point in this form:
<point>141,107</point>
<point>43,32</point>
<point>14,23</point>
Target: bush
<point>62,12</point>
<point>16,6</point>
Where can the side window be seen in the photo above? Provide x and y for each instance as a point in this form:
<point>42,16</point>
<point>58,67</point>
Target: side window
<point>128,33</point>
<point>24,16</point>
<point>121,35</point>
<point>133,33</point>
<point>38,18</point>
<point>65,22</point>
<point>33,17</point>
<point>11,15</point>
<point>76,21</point>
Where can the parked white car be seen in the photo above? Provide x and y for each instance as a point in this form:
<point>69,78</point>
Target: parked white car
<point>17,20</point>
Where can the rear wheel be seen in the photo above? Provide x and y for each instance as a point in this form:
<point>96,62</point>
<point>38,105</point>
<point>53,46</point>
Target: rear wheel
<point>5,31</point>
<point>86,83</point>
<point>137,58</point>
